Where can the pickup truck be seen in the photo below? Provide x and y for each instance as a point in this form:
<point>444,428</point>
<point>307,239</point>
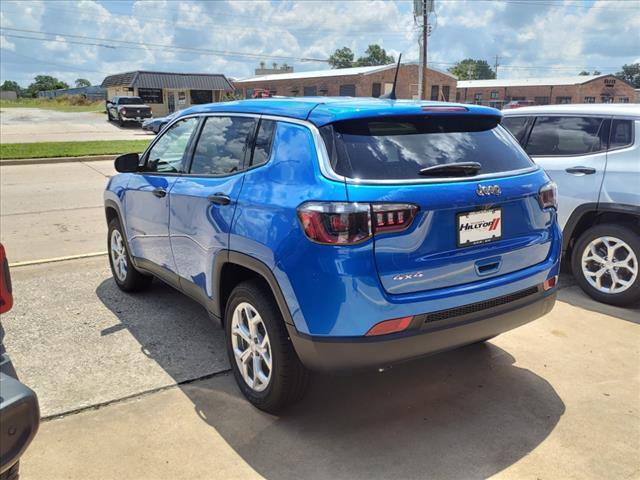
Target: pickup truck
<point>127,109</point>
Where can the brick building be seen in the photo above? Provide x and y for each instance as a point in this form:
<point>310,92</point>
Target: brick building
<point>352,82</point>
<point>544,91</point>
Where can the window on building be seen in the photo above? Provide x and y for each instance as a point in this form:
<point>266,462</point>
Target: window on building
<point>249,93</point>
<point>150,95</point>
<point>264,140</point>
<point>445,92</point>
<point>435,90</point>
<point>199,97</point>
<point>609,82</point>
<point>457,96</point>
<point>624,99</point>
<point>376,88</point>
<point>167,154</point>
<point>310,91</point>
<point>606,99</point>
<point>273,93</point>
<point>589,99</point>
<point>621,134</point>
<point>516,125</point>
<point>494,94</point>
<point>222,145</point>
<point>295,91</point>
<point>324,91</point>
<point>557,136</point>
<point>239,92</point>
<point>477,97</point>
<point>541,100</point>
<point>348,90</point>
<point>563,100</point>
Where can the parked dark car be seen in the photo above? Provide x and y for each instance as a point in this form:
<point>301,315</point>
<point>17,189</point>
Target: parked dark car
<point>19,410</point>
<point>127,110</point>
<point>155,125</point>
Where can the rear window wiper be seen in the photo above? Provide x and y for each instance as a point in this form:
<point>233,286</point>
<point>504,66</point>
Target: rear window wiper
<point>459,169</point>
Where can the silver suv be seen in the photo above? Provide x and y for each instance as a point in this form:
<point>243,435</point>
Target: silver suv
<point>592,152</point>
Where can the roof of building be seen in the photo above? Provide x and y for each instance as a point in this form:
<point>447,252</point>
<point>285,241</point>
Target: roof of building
<point>146,79</point>
<point>625,109</point>
<point>334,72</point>
<point>323,110</point>
<point>529,82</point>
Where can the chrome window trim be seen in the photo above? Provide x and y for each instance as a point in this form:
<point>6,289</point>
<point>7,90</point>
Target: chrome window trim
<point>325,164</point>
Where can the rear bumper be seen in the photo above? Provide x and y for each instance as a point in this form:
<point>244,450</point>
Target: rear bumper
<point>345,353</point>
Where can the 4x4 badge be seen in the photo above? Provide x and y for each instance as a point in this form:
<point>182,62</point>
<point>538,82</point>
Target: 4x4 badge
<point>483,190</point>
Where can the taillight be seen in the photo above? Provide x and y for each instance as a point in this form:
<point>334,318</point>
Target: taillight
<point>547,196</point>
<point>6,297</point>
<point>549,283</point>
<point>345,223</point>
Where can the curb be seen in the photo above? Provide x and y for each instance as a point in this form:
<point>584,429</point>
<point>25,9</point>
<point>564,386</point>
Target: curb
<point>40,161</point>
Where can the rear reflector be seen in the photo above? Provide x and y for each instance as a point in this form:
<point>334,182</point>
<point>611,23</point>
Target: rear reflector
<point>389,326</point>
<point>549,283</point>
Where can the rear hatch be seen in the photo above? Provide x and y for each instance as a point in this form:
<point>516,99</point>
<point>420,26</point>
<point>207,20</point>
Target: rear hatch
<point>477,219</point>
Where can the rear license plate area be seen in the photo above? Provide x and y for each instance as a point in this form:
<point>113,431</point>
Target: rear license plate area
<point>481,226</point>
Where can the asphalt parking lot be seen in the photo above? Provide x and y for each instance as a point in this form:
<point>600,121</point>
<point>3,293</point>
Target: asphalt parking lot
<point>28,125</point>
<point>138,386</point>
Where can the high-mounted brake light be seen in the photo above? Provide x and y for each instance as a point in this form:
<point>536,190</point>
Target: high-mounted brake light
<point>345,223</point>
<point>548,195</point>
<point>443,108</point>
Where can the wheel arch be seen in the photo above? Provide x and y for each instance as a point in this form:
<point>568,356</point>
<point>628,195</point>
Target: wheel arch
<point>590,214</point>
<point>236,267</point>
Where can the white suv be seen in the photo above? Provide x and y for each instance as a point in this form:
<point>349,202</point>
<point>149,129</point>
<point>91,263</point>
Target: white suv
<point>593,153</point>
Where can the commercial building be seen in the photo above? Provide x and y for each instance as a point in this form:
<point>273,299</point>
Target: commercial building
<point>166,92</point>
<point>352,82</point>
<point>545,91</point>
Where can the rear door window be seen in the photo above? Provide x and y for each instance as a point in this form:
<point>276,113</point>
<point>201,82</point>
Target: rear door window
<point>516,125</point>
<point>621,134</point>
<point>559,136</point>
<point>398,148</point>
<point>222,145</point>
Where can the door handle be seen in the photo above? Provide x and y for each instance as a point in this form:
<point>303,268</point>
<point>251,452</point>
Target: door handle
<point>219,199</point>
<point>159,192</point>
<point>581,170</point>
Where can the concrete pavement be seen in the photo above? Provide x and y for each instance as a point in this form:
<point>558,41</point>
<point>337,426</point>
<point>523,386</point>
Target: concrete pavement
<point>549,400</point>
<point>29,125</point>
<point>53,210</point>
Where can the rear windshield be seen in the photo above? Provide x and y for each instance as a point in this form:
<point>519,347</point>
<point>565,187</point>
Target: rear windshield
<point>130,101</point>
<point>398,148</point>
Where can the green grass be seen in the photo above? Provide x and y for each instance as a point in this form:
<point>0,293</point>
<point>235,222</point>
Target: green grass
<point>70,149</point>
<point>60,104</point>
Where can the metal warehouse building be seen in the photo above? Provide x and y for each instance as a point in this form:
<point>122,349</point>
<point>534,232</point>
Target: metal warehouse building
<point>166,92</point>
<point>545,91</point>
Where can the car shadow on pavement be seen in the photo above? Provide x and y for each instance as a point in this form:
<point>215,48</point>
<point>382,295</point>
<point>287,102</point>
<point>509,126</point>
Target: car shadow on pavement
<point>468,413</point>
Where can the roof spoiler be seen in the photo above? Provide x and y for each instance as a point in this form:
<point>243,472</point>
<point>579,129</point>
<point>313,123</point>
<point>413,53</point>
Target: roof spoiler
<point>392,94</point>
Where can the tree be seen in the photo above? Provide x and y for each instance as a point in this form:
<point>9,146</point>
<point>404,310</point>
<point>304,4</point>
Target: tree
<point>341,58</point>
<point>470,69</point>
<point>82,82</point>
<point>630,73</point>
<point>44,82</point>
<point>585,72</point>
<point>375,55</point>
<point>11,86</point>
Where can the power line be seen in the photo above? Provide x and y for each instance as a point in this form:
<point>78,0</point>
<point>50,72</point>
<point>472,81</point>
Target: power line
<point>130,44</point>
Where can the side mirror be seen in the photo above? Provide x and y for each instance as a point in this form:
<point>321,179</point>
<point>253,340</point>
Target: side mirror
<point>127,163</point>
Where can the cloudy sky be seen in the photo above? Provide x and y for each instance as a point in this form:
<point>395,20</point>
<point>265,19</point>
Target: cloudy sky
<point>94,38</point>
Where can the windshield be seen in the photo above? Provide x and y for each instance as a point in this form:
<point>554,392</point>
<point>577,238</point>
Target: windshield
<point>398,148</point>
<point>130,101</point>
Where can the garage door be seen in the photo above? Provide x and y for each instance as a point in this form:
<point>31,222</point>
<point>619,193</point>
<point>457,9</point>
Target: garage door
<point>347,90</point>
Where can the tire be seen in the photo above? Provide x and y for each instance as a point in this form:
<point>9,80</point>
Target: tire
<point>109,116</point>
<point>128,279</point>
<point>287,380</point>
<point>592,248</point>
<point>120,121</point>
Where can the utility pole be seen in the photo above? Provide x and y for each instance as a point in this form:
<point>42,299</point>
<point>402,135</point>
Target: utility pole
<point>422,9</point>
<point>496,65</point>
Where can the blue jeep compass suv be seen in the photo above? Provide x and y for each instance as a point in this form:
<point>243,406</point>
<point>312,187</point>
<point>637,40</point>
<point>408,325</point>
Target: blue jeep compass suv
<point>336,233</point>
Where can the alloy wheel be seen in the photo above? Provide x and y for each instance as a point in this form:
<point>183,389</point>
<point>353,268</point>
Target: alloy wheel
<point>609,265</point>
<point>118,255</point>
<point>251,346</point>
